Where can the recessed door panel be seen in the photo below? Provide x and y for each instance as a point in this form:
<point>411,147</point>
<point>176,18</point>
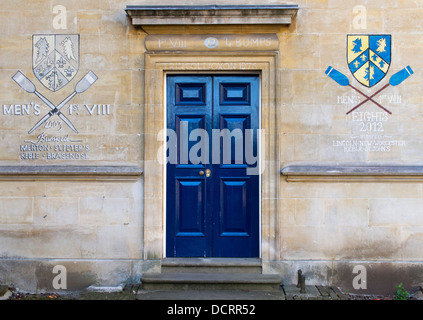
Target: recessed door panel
<point>191,213</point>
<point>234,218</point>
<point>192,140</point>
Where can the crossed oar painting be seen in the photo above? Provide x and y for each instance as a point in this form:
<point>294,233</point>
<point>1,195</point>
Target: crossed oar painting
<point>55,64</point>
<point>369,58</point>
<point>395,80</point>
<point>80,87</point>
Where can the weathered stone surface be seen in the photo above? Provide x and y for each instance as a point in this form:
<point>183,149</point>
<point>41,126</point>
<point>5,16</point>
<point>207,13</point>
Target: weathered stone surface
<point>354,191</point>
<point>3,290</point>
<point>211,14</point>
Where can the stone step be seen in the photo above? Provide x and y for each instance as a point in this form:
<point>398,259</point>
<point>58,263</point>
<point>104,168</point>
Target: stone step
<point>227,295</point>
<point>210,281</point>
<point>211,265</point>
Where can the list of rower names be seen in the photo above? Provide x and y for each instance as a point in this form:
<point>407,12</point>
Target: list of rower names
<point>54,148</point>
<point>370,134</point>
<point>52,142</point>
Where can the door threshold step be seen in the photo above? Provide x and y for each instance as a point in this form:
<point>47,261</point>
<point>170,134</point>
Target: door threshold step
<point>210,295</point>
<point>210,281</point>
<point>211,265</point>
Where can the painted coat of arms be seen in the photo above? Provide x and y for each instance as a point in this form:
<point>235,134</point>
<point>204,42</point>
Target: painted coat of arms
<point>369,57</point>
<point>55,59</point>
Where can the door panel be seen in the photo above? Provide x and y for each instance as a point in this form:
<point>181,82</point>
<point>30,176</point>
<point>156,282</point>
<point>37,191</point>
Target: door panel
<point>232,130</point>
<point>214,215</point>
<point>190,214</point>
<point>189,107</point>
<point>233,93</point>
<point>236,215</point>
<point>233,208</point>
<point>187,125</point>
<point>191,93</point>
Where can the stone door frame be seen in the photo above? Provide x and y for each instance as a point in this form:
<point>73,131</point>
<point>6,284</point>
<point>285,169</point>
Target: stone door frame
<point>157,66</point>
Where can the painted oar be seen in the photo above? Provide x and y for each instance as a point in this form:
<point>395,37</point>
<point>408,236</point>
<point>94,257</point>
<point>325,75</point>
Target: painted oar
<point>28,86</point>
<point>394,80</point>
<point>80,87</point>
<point>342,80</point>
<point>337,76</point>
<point>400,76</point>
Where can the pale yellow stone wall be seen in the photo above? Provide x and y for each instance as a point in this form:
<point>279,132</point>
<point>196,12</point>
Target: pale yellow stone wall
<point>361,221</point>
<point>314,220</point>
<point>108,46</point>
<point>71,220</point>
<point>62,218</point>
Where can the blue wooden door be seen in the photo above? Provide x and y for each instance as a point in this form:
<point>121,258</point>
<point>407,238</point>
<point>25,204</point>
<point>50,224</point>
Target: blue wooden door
<point>212,206</point>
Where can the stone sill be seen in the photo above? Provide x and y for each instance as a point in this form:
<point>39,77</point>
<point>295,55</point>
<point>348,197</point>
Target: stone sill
<point>211,15</point>
<point>365,173</point>
<point>63,172</point>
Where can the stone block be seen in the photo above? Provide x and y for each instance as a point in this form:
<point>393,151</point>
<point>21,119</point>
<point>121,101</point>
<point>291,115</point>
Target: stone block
<point>89,22</point>
<point>396,212</point>
<point>287,212</point>
<point>403,20</point>
<point>16,210</point>
<point>309,212</point>
<point>103,211</point>
<point>301,51</point>
<point>73,189</point>
<point>119,242</point>
<point>56,211</point>
<point>47,241</point>
<point>346,212</point>
<point>307,20</point>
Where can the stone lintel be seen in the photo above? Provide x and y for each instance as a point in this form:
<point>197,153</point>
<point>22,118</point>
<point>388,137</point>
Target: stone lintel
<point>385,173</point>
<point>211,15</point>
<point>64,172</point>
<point>212,42</point>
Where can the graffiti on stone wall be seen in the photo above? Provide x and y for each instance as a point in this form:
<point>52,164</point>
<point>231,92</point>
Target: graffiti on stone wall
<point>369,59</point>
<point>55,64</point>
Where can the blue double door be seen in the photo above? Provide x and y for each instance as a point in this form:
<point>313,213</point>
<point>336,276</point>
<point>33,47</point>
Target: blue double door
<point>212,204</point>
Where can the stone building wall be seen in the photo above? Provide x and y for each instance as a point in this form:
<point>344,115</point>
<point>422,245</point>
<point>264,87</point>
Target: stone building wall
<point>93,222</point>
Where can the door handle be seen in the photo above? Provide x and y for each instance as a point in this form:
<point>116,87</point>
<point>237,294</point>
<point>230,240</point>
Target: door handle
<point>208,172</point>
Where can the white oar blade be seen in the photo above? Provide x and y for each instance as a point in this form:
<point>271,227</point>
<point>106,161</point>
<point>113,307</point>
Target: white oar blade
<point>86,82</point>
<point>24,82</point>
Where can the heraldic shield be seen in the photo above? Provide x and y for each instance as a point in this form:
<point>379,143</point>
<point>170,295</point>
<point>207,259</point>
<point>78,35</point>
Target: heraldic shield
<point>55,59</point>
<point>369,57</point>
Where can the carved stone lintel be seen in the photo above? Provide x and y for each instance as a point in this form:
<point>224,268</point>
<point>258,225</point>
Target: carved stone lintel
<point>212,42</point>
<point>211,15</point>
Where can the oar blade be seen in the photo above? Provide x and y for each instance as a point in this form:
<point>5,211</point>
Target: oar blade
<point>337,76</point>
<point>24,82</point>
<point>86,82</point>
<point>400,76</point>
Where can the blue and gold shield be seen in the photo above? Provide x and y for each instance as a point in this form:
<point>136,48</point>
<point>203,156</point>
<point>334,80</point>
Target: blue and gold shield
<point>369,57</point>
<point>55,59</point>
